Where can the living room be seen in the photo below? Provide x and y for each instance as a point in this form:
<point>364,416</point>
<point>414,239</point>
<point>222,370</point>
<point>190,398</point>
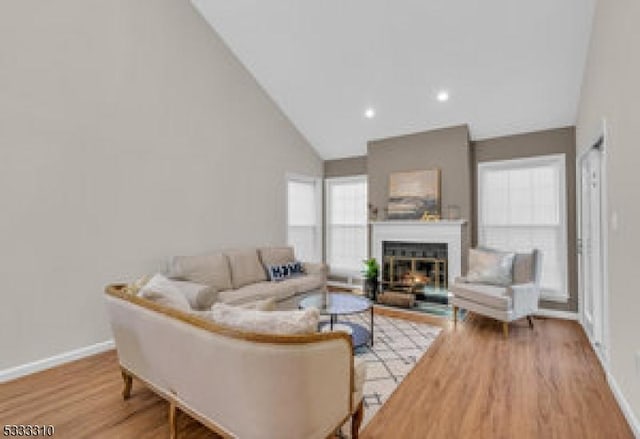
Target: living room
<point>133,132</point>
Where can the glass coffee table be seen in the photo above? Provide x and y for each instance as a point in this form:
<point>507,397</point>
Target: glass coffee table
<point>342,304</point>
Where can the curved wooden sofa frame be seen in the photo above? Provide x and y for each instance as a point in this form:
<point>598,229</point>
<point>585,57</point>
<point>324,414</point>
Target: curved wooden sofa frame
<point>120,291</point>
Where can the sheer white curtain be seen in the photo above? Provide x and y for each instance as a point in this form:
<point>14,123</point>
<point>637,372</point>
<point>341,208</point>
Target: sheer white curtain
<point>522,206</point>
<point>346,224</point>
<point>303,218</point>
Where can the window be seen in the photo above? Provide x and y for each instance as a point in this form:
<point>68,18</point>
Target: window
<point>346,219</point>
<point>304,232</point>
<point>521,206</point>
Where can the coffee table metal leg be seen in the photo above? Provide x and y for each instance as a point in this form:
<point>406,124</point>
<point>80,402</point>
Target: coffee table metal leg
<point>371,326</point>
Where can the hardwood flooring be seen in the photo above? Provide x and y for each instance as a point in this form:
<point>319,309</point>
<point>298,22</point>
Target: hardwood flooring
<point>541,383</point>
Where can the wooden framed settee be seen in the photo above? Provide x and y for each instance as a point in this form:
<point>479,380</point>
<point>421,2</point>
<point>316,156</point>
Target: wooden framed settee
<point>239,384</point>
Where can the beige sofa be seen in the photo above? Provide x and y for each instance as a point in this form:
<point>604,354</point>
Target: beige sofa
<point>239,384</point>
<point>240,276</point>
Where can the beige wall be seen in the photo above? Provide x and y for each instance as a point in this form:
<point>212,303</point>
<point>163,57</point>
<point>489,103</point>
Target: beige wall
<point>557,141</point>
<point>611,91</point>
<point>447,149</point>
<point>128,133</point>
<point>345,167</point>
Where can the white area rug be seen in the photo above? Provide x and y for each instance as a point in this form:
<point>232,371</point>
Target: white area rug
<point>398,346</point>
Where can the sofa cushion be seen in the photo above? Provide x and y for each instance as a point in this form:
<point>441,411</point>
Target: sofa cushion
<point>261,305</point>
<point>245,267</point>
<point>163,291</point>
<point>257,291</point>
<point>493,296</point>
<point>267,322</point>
<point>490,267</point>
<point>303,284</point>
<point>200,296</point>
<point>210,269</point>
<point>276,255</point>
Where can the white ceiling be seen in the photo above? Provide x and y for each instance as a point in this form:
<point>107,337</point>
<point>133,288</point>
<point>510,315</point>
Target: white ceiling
<point>510,66</point>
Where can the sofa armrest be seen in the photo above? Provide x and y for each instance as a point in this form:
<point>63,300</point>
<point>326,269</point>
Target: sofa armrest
<point>525,299</point>
<point>316,268</point>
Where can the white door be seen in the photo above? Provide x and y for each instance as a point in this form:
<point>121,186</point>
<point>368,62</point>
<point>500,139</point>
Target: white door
<point>590,246</point>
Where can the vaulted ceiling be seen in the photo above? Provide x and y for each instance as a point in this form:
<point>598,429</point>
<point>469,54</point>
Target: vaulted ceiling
<point>509,66</point>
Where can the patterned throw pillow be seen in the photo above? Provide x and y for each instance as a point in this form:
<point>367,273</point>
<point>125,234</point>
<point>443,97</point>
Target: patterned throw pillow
<point>285,271</point>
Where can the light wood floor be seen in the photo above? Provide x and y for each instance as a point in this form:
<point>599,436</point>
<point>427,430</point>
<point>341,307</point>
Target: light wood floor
<point>544,383</point>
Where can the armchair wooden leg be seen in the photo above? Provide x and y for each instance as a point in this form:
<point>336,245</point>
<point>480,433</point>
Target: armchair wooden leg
<point>356,420</point>
<point>530,320</point>
<point>505,329</point>
<point>455,315</point>
<point>173,421</point>
<point>128,380</point>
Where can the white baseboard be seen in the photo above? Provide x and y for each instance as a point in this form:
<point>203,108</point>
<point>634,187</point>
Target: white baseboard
<point>56,360</point>
<point>567,315</point>
<point>633,421</point>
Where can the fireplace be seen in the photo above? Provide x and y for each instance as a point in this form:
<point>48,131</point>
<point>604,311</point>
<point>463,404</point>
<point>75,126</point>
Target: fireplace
<point>419,260</point>
<point>414,267</point>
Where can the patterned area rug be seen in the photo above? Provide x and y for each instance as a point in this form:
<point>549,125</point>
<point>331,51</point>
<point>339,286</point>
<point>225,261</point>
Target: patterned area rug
<point>398,345</point>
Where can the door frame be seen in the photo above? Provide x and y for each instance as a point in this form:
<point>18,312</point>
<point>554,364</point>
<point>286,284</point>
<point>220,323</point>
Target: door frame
<point>599,141</point>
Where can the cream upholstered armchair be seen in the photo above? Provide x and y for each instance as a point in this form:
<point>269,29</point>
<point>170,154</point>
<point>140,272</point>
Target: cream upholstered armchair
<point>505,302</point>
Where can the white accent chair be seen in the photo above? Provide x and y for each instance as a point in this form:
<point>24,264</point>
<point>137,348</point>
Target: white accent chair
<point>503,303</point>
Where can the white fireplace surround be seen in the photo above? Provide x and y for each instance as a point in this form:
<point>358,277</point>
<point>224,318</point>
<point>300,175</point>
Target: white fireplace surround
<point>452,233</point>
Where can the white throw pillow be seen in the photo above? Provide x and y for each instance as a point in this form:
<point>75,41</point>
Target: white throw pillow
<point>491,267</point>
<point>267,322</point>
<point>163,291</point>
<point>199,296</point>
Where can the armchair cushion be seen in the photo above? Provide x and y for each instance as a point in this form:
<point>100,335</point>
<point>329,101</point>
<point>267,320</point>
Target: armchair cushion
<point>494,296</point>
<point>490,267</point>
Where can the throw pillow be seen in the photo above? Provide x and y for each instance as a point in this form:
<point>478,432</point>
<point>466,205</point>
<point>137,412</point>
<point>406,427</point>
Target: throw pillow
<point>267,322</point>
<point>161,290</point>
<point>492,267</point>
<point>285,271</point>
<point>198,295</point>
<point>210,269</point>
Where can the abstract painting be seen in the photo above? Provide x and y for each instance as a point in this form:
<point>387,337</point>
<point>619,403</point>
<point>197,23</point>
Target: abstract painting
<point>414,193</point>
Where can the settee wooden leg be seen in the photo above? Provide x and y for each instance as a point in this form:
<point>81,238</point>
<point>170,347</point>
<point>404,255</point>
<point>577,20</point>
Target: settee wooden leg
<point>356,420</point>
<point>505,329</point>
<point>128,380</point>
<point>173,421</point>
<point>530,320</point>
<point>455,315</point>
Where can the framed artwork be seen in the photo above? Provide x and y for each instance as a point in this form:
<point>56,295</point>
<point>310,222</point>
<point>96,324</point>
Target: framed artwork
<point>413,194</point>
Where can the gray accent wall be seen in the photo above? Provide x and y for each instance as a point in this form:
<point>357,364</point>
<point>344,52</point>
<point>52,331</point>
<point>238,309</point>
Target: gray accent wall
<point>611,93</point>
<point>345,167</point>
<point>556,141</point>
<point>447,149</point>
<point>128,133</point>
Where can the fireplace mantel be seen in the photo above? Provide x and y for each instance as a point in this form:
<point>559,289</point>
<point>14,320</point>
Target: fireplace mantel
<point>450,232</point>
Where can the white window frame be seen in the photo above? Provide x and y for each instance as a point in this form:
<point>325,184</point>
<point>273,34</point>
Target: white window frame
<point>555,159</point>
<point>318,235</point>
<point>350,274</point>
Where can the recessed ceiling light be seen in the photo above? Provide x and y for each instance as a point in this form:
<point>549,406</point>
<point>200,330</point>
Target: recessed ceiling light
<point>443,96</point>
<point>369,113</point>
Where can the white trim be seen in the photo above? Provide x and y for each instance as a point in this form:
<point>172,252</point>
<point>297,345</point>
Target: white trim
<point>525,162</point>
<point>56,360</point>
<point>600,135</point>
<point>556,314</point>
<point>627,411</point>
